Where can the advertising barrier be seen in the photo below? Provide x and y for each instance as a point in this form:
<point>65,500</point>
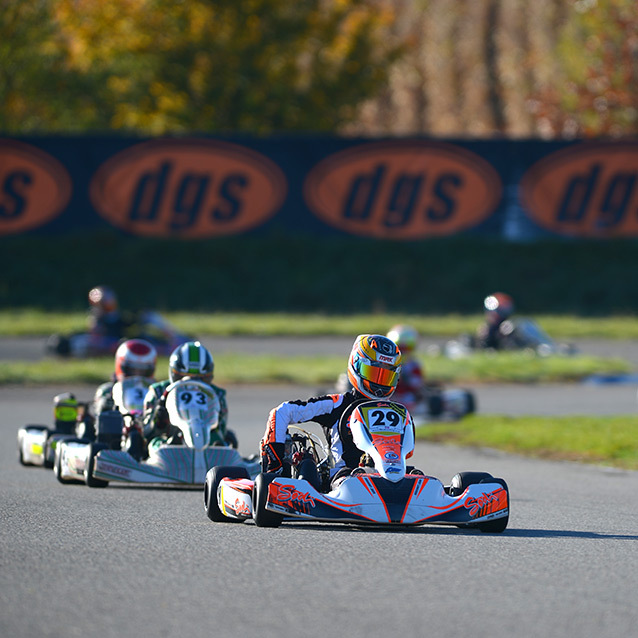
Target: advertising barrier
<point>390,188</point>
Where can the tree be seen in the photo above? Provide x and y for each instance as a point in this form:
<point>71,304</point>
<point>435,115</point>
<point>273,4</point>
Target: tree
<point>159,66</point>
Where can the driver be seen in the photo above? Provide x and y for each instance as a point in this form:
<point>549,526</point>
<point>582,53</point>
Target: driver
<point>498,308</point>
<point>194,361</point>
<point>133,358</point>
<point>374,366</point>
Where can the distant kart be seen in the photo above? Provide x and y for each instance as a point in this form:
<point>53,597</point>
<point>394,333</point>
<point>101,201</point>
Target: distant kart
<point>383,491</point>
<point>438,402</point>
<point>520,333</point>
<point>193,409</point>
<point>152,327</point>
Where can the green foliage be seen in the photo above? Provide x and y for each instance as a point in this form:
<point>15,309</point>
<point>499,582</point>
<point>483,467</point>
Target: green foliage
<point>606,440</point>
<point>158,66</point>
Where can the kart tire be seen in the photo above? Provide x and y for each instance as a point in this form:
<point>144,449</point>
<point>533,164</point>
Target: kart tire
<point>262,516</point>
<point>57,463</point>
<point>470,403</point>
<point>498,525</point>
<point>89,479</point>
<point>135,445</point>
<point>462,480</point>
<point>213,479</point>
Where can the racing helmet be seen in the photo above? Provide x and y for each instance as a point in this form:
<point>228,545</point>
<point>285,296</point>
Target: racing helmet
<point>135,358</point>
<point>65,408</point>
<point>191,359</point>
<point>374,366</point>
<point>406,337</point>
<point>498,307</point>
<point>103,300</point>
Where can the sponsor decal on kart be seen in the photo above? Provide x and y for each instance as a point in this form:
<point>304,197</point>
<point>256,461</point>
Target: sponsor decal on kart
<point>240,507</point>
<point>114,469</point>
<point>486,503</point>
<point>289,496</point>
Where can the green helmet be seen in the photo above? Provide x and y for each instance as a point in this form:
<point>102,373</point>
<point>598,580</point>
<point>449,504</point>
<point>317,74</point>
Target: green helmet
<point>193,360</point>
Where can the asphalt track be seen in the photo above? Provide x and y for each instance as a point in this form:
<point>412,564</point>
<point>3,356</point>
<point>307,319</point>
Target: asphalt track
<point>133,561</point>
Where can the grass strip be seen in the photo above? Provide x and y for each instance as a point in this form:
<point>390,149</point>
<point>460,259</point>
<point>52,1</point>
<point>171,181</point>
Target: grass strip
<point>602,440</point>
<point>323,371</point>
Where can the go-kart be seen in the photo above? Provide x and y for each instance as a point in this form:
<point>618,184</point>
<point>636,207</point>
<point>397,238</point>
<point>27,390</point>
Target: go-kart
<point>183,459</point>
<point>37,443</point>
<point>435,403</point>
<point>117,426</point>
<point>382,491</point>
<point>520,333</point>
<point>150,326</point>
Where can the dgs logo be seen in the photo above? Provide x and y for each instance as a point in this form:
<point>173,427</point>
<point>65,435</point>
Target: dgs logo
<point>188,188</point>
<point>403,189</point>
<point>34,187</point>
<point>589,190</point>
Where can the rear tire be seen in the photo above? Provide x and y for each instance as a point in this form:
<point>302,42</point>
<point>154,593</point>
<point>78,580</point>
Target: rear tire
<point>262,516</point>
<point>89,479</point>
<point>213,479</point>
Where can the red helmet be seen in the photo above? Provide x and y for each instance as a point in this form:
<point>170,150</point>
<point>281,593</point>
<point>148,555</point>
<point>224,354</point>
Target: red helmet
<point>135,358</point>
<point>498,307</point>
<point>103,299</point>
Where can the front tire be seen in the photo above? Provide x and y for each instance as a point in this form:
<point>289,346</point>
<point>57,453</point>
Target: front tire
<point>89,479</point>
<point>262,516</point>
<point>213,479</point>
<point>463,480</point>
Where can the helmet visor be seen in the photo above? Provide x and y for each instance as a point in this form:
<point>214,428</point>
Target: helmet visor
<point>378,373</point>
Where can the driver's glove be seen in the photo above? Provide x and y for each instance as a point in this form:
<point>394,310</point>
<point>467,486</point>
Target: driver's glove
<point>272,457</point>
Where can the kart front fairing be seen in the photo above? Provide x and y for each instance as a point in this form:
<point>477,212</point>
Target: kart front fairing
<point>178,464</point>
<point>370,498</point>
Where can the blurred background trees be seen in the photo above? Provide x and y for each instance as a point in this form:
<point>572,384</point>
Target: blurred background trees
<point>468,68</point>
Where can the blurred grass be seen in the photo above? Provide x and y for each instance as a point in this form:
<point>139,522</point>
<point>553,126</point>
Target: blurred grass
<point>605,440</point>
<point>322,371</point>
<point>25,322</point>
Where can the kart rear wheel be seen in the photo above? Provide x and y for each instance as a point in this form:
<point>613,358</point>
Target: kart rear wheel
<point>262,516</point>
<point>89,479</point>
<point>213,479</point>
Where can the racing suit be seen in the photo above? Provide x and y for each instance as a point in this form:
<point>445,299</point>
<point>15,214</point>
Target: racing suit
<point>330,411</point>
<point>157,426</point>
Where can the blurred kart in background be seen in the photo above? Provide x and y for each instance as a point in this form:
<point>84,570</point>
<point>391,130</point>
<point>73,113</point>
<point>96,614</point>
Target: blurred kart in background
<point>514,334</point>
<point>150,325</point>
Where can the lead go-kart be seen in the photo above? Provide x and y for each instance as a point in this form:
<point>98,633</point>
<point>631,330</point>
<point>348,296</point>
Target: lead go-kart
<point>382,491</point>
<point>183,459</point>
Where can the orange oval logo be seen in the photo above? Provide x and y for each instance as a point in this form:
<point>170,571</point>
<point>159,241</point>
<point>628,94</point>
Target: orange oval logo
<point>586,190</point>
<point>403,189</point>
<point>192,189</point>
<point>34,187</point>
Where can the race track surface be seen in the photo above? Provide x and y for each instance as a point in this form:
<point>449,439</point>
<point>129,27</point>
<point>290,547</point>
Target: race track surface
<point>138,561</point>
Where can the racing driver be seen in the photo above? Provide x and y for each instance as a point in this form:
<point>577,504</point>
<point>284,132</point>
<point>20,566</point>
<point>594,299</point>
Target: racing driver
<point>374,366</point>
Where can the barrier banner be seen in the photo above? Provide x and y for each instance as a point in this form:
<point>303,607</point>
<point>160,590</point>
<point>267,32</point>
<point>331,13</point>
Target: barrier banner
<point>388,188</point>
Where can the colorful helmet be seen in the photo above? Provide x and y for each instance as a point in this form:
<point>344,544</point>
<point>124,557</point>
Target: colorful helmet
<point>103,299</point>
<point>191,359</point>
<point>65,407</point>
<point>406,337</point>
<point>135,358</point>
<point>498,306</point>
<point>374,366</point>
